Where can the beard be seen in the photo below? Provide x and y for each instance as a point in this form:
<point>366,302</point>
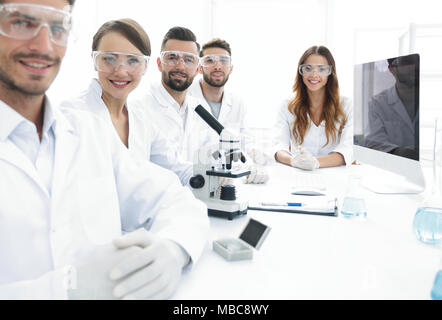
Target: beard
<point>27,91</point>
<point>176,84</point>
<point>34,89</point>
<point>213,83</point>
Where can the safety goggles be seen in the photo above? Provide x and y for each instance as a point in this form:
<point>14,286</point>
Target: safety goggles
<point>173,58</point>
<point>320,69</point>
<point>109,62</point>
<point>24,21</point>
<point>212,59</point>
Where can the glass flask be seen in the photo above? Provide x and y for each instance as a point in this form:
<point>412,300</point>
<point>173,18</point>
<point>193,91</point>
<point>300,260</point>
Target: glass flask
<point>427,224</point>
<point>436,291</point>
<point>354,202</point>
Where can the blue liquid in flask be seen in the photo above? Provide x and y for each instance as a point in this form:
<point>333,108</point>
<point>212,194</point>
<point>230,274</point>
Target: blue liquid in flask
<point>354,207</point>
<point>427,225</point>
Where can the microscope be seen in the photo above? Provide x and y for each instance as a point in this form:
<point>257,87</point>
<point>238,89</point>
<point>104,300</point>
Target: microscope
<point>212,165</point>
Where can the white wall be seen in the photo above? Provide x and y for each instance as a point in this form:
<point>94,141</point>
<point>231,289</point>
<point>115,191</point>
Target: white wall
<point>267,38</point>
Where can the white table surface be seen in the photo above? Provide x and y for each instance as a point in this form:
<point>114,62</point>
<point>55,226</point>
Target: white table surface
<point>320,257</point>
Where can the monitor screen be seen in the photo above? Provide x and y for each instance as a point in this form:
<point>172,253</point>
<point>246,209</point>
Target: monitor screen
<point>386,106</point>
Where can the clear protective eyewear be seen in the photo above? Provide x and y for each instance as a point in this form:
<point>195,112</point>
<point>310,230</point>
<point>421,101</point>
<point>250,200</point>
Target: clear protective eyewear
<point>24,21</point>
<point>320,69</point>
<point>110,61</point>
<point>212,59</point>
<point>173,58</point>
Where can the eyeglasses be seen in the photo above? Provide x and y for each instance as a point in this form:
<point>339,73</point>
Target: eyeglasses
<point>211,60</point>
<point>24,21</point>
<point>106,61</point>
<point>320,69</point>
<point>173,58</point>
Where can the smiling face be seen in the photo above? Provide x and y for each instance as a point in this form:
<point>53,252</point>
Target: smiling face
<point>178,77</point>
<point>30,66</point>
<point>314,81</point>
<point>218,74</point>
<point>119,83</point>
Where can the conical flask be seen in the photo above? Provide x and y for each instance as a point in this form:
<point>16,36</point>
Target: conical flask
<point>354,202</point>
<point>427,224</point>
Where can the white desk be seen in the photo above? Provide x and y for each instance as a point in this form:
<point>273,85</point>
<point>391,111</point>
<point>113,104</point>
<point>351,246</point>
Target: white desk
<point>319,257</point>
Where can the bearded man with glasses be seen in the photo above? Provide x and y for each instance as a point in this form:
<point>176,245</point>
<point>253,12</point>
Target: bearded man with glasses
<point>226,105</point>
<point>168,103</point>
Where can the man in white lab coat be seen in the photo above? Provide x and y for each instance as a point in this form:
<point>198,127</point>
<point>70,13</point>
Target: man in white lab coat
<point>68,187</point>
<point>226,106</point>
<point>215,67</point>
<point>167,103</point>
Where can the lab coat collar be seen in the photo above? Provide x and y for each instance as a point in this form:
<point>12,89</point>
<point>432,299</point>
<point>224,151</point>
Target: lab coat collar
<point>61,124</point>
<point>164,98</point>
<point>94,101</point>
<point>65,143</point>
<point>10,119</point>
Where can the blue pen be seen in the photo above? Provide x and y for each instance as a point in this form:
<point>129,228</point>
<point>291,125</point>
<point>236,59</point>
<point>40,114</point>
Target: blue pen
<point>286,204</point>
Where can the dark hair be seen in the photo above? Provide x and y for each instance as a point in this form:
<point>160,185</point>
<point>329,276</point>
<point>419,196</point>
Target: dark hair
<point>179,33</point>
<point>216,43</point>
<point>129,29</point>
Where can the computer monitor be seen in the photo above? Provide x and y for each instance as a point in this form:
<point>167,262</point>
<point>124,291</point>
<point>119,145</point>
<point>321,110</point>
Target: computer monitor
<point>386,123</point>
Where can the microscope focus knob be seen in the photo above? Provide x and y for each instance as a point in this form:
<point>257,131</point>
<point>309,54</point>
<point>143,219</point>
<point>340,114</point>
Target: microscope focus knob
<point>197,181</point>
<point>228,192</point>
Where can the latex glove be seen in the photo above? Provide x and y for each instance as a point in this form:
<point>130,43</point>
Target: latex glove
<point>92,276</point>
<point>258,174</point>
<point>304,160</point>
<point>154,272</point>
<point>259,157</point>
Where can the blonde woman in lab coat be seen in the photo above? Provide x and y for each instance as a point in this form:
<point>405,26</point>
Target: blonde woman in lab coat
<point>121,50</point>
<point>314,129</point>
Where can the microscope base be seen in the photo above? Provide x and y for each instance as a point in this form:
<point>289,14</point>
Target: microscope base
<point>226,214</point>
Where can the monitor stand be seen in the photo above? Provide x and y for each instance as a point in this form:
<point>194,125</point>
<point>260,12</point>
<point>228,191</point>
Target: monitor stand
<point>385,182</point>
<point>398,185</point>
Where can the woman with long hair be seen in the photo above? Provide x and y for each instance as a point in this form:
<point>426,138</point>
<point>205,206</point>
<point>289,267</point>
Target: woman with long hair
<point>120,52</point>
<point>315,127</point>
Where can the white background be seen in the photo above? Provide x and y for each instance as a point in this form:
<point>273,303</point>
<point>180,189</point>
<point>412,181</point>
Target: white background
<point>267,39</point>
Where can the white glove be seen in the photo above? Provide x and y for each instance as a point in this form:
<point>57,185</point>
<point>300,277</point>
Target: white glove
<point>304,160</point>
<point>92,276</point>
<point>259,157</point>
<point>258,174</point>
<point>154,272</point>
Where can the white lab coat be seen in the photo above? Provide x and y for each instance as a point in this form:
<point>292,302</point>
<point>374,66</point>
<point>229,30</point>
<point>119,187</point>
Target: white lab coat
<point>232,113</point>
<point>145,139</point>
<point>389,125</point>
<point>187,132</point>
<point>98,190</point>
<point>315,138</point>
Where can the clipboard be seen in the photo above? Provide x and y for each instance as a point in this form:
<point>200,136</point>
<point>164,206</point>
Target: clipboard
<point>331,211</point>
